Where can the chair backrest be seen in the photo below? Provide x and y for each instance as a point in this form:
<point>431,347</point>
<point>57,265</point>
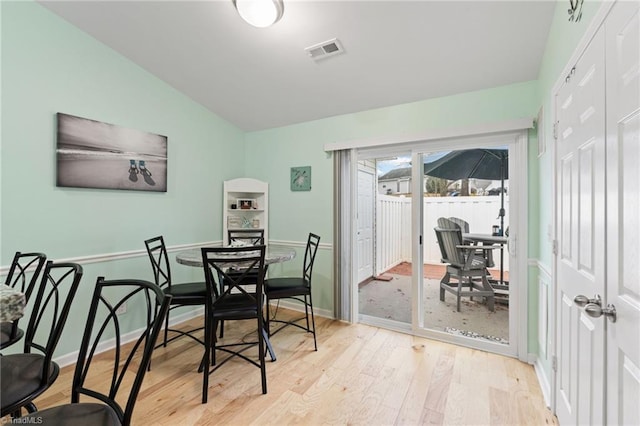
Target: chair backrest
<point>17,277</point>
<point>448,223</point>
<point>463,224</point>
<point>50,310</point>
<point>444,223</point>
<point>448,240</point>
<point>126,363</point>
<point>250,237</point>
<point>230,270</point>
<point>157,252</point>
<point>313,241</point>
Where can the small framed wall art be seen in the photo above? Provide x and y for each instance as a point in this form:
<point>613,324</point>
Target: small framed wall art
<point>301,178</point>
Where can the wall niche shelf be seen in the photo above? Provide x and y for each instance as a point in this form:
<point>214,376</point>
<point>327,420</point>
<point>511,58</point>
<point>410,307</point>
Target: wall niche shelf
<point>253,195</point>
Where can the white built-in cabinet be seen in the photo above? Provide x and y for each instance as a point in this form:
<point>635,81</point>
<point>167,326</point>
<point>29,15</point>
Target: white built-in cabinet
<point>245,206</point>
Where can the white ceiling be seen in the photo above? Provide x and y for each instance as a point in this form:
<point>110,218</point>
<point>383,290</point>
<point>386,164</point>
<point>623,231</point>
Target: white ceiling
<point>395,51</point>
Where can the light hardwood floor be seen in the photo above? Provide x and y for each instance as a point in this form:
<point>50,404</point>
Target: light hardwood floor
<point>360,375</point>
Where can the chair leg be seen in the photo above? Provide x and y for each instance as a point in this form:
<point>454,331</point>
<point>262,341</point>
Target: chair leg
<point>166,329</point>
<point>204,365</point>
<point>266,321</point>
<point>261,355</point>
<point>445,280</point>
<point>458,297</point>
<point>213,342</point>
<point>313,322</point>
<point>490,299</point>
<point>306,312</point>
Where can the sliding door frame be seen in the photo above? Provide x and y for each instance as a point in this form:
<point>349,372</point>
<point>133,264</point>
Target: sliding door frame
<point>515,135</point>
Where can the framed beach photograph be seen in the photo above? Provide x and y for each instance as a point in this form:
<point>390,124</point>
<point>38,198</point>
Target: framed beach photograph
<point>93,154</point>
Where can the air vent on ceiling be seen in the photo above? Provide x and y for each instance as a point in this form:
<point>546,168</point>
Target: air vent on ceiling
<point>325,49</point>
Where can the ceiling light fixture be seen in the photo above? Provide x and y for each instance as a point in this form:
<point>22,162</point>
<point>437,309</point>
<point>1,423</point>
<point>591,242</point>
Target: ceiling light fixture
<point>260,13</point>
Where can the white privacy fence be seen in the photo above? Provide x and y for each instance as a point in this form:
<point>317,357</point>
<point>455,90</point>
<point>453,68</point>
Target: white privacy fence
<point>393,225</point>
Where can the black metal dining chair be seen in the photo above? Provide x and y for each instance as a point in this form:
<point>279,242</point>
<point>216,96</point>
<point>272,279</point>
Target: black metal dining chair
<point>250,237</point>
<point>183,294</point>
<point>233,298</point>
<point>240,237</point>
<point>297,288</point>
<point>25,376</point>
<point>18,279</point>
<point>122,368</point>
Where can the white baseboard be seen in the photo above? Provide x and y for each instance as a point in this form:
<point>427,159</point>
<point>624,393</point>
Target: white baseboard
<point>72,357</point>
<point>297,306</point>
<point>543,380</point>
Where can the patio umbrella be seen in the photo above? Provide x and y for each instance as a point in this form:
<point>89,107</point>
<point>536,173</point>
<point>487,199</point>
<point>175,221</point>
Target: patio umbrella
<point>479,163</point>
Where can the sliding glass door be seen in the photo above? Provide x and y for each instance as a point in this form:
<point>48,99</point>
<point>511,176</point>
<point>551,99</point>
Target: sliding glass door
<point>384,214</point>
<point>464,193</point>
<point>400,276</point>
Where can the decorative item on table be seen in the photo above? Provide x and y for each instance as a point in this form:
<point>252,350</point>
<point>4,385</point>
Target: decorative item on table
<point>234,206</point>
<point>301,178</point>
<point>246,204</point>
<point>255,223</point>
<point>234,222</point>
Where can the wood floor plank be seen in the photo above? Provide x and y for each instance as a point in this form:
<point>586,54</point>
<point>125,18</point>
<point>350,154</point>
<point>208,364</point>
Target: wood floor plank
<point>360,375</point>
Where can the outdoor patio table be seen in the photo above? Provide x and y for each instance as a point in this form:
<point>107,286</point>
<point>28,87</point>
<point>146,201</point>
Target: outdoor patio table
<point>487,239</point>
<point>11,303</point>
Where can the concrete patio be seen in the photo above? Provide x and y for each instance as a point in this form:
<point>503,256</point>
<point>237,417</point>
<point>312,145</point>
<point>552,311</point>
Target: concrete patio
<point>392,300</point>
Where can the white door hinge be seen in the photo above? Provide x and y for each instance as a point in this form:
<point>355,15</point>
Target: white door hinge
<point>555,130</point>
<point>554,363</point>
<point>554,245</point>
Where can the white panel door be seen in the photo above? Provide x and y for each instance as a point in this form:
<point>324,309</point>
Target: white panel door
<point>366,189</point>
<point>623,213</point>
<point>581,238</point>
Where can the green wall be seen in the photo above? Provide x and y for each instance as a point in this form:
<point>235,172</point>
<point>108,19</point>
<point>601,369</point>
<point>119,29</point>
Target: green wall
<point>271,153</point>
<point>49,66</point>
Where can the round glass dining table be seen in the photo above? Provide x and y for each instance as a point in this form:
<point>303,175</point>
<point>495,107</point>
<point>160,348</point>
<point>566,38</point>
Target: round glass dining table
<point>274,254</point>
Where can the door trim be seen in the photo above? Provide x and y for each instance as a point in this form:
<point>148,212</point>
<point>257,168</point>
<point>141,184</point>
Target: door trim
<point>518,162</point>
<point>408,141</point>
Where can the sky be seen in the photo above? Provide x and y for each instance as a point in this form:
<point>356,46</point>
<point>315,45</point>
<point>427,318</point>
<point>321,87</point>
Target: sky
<point>400,162</point>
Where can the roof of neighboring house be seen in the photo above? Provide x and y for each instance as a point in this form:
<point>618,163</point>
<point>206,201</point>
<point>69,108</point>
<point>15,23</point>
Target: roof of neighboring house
<point>404,172</point>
